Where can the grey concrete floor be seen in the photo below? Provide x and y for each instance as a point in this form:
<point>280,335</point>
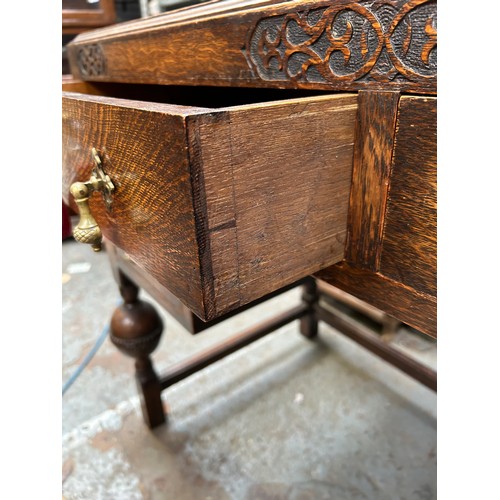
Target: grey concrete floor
<point>283,418</point>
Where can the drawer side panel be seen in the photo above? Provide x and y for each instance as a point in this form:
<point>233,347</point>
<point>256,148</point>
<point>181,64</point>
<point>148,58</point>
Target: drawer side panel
<point>277,179</point>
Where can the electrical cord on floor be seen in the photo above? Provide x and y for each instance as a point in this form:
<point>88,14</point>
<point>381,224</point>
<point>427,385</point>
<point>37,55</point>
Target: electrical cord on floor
<point>86,360</point>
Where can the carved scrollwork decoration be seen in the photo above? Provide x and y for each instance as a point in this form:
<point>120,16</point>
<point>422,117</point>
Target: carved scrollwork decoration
<point>348,41</point>
<point>91,60</point>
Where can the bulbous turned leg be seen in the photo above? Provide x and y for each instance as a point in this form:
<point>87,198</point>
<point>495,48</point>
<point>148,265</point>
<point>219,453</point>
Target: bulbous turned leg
<point>135,330</point>
<point>309,323</point>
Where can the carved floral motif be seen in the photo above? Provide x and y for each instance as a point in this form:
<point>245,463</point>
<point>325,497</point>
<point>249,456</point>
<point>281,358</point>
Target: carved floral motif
<point>91,61</point>
<point>384,40</point>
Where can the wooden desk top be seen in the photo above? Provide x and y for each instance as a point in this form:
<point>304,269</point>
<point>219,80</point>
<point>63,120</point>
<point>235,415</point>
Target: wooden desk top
<point>327,44</point>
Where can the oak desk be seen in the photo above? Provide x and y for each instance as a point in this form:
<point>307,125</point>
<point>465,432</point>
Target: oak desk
<point>230,150</point>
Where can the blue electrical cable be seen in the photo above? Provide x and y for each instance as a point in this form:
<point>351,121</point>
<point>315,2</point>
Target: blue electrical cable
<point>86,360</point>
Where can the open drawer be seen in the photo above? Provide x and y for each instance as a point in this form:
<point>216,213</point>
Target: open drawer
<point>220,205</point>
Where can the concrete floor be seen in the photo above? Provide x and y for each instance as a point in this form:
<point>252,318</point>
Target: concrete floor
<point>284,418</point>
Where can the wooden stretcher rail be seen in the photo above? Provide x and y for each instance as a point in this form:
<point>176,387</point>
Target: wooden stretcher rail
<point>184,369</point>
<point>360,335</point>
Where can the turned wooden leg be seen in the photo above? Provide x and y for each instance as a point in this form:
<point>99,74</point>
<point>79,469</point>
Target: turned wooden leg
<point>309,323</point>
<point>135,330</point>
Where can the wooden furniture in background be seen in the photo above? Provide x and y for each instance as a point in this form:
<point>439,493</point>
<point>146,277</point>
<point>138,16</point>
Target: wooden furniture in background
<point>80,15</point>
<point>255,144</point>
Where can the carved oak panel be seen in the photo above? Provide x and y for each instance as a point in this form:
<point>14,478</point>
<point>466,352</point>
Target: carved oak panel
<point>383,41</point>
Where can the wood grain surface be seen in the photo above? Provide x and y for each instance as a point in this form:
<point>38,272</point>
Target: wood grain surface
<point>391,258</point>
<point>409,253</point>
<point>375,129</point>
<point>276,180</point>
<point>71,84</point>
<point>143,147</point>
<point>411,307</point>
<point>219,206</point>
<point>121,263</point>
<point>321,44</point>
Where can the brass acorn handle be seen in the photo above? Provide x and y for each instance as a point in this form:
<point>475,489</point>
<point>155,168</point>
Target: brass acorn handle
<point>87,229</point>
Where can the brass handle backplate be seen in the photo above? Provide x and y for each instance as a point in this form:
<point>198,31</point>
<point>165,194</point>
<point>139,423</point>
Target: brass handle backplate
<point>87,229</point>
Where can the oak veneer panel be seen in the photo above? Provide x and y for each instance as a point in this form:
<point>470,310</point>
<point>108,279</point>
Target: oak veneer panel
<point>404,303</point>
<point>322,44</point>
<point>409,253</point>
<point>146,157</point>
<point>375,129</point>
<point>220,206</point>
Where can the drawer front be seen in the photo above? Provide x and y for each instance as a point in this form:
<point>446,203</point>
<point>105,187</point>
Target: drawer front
<point>220,206</point>
<point>411,218</point>
<point>143,150</point>
<point>391,254</point>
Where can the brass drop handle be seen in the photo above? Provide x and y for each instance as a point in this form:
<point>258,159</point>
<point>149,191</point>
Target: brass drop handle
<point>87,229</point>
